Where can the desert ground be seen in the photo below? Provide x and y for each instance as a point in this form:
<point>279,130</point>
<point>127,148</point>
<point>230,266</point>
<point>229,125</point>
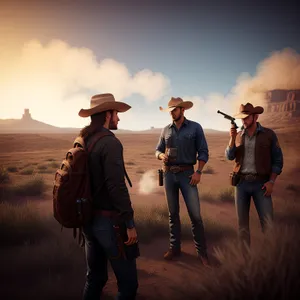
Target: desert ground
<point>38,261</point>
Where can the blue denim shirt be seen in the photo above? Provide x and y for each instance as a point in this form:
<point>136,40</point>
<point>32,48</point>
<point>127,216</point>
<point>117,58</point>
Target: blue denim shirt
<point>189,140</point>
<point>276,152</point>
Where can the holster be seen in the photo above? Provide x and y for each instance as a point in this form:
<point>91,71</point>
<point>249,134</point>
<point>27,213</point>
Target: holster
<point>234,178</point>
<point>128,252</point>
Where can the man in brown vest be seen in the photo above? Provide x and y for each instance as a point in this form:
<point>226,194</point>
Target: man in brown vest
<point>258,162</point>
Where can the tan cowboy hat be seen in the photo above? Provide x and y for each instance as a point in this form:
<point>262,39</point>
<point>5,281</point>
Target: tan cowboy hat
<point>247,110</point>
<point>103,102</point>
<point>177,102</point>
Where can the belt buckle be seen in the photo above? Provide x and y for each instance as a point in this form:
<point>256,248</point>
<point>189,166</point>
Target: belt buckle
<point>250,177</point>
<point>174,169</point>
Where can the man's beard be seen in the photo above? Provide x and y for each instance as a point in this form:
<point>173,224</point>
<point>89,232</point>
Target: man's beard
<point>177,119</point>
<point>250,125</point>
<point>113,125</point>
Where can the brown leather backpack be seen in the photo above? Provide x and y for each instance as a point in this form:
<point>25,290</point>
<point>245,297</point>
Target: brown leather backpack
<point>72,198</point>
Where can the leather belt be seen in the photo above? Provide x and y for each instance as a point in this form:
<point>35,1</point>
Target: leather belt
<point>253,177</point>
<point>106,213</point>
<point>178,168</point>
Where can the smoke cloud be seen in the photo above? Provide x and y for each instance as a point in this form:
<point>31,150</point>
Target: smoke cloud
<point>148,183</point>
<point>57,78</point>
<point>281,70</point>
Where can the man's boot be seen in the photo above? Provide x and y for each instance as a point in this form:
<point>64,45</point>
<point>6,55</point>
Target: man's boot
<point>172,253</point>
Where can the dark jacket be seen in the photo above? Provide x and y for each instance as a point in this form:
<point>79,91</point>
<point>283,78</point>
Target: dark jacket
<point>268,154</point>
<point>107,173</point>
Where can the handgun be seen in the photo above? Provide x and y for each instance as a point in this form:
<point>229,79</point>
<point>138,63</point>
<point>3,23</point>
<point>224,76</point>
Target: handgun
<point>232,119</point>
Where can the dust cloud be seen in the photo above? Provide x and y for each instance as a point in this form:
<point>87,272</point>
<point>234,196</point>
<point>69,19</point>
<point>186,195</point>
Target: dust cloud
<point>149,182</point>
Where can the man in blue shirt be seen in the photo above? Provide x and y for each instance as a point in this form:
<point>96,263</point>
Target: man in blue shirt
<point>181,144</point>
<point>258,161</point>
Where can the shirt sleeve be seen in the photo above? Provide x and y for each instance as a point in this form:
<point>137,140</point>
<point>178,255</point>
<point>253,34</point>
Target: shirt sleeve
<point>161,145</point>
<point>114,178</point>
<point>276,155</point>
<point>230,152</point>
<point>201,145</point>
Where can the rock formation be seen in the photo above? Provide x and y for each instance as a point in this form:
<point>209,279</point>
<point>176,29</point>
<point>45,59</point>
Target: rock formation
<point>283,101</point>
<point>26,116</point>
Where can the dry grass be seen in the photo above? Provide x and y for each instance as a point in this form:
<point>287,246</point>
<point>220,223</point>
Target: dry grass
<point>225,195</point>
<point>34,186</point>
<point>293,187</point>
<point>20,224</point>
<point>153,222</point>
<point>269,271</point>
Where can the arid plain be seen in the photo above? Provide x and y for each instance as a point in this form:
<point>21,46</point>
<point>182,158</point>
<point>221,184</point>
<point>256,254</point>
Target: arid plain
<point>38,261</point>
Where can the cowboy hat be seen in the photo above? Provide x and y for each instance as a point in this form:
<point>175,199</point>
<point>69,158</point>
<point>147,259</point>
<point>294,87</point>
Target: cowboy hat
<point>247,110</point>
<point>177,102</point>
<point>103,102</point>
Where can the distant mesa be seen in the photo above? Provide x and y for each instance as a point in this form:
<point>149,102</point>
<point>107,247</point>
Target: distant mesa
<point>29,125</point>
<point>283,101</point>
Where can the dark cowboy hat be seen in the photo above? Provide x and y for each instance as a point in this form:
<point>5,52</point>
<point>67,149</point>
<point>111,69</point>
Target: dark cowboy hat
<point>247,110</point>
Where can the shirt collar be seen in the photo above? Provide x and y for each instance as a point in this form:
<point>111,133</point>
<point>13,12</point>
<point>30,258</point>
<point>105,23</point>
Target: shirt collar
<point>259,128</point>
<point>185,122</point>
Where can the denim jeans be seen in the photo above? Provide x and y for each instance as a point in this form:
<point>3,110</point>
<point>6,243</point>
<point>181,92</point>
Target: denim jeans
<point>174,183</point>
<point>264,207</point>
<point>101,247</point>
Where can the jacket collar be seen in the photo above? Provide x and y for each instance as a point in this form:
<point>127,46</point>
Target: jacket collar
<point>259,128</point>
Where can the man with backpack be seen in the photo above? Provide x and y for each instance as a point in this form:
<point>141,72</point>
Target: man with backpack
<point>111,235</point>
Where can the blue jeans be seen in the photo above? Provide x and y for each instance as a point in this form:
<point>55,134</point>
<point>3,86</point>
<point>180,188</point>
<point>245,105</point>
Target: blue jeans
<point>101,247</point>
<point>174,183</point>
<point>264,207</point>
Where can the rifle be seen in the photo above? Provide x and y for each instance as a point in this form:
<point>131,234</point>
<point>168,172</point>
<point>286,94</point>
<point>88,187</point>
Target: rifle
<point>232,119</point>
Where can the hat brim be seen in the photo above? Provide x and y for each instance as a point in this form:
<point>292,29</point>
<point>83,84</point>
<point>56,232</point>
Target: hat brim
<point>186,105</point>
<point>257,111</point>
<point>241,116</point>
<point>118,106</point>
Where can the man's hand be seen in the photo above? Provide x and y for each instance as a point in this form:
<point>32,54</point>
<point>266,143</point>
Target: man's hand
<point>269,188</point>
<point>163,157</point>
<point>195,178</point>
<point>132,236</point>
<point>233,133</point>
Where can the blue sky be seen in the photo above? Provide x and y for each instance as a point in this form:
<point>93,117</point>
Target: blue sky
<point>201,47</point>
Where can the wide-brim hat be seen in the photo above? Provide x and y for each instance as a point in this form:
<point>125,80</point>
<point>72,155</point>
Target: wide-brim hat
<point>177,102</point>
<point>103,102</point>
<point>247,110</point>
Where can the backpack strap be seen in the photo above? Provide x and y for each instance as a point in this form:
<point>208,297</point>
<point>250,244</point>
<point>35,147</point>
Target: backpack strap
<point>97,137</point>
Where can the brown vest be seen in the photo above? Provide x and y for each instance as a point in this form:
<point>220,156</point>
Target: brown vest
<point>263,144</point>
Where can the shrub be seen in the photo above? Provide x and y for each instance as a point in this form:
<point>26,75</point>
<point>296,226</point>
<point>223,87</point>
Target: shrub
<point>12,169</point>
<point>34,186</point>
<point>4,176</point>
<point>20,224</point>
<point>227,195</point>
<point>54,165</point>
<point>27,171</point>
<point>208,170</point>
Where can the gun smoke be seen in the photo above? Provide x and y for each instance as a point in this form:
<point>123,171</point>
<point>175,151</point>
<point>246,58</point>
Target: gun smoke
<point>148,183</point>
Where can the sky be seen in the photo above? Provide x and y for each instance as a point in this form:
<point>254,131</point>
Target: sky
<point>54,55</point>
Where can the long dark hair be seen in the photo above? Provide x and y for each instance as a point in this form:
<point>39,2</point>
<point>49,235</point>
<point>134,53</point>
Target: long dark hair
<point>97,122</point>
